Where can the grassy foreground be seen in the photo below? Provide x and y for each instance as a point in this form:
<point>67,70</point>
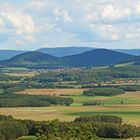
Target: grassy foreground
<point>129,111</point>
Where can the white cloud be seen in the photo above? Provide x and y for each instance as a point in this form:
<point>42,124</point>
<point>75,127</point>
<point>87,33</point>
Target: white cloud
<point>91,17</point>
<point>111,13</point>
<point>1,22</point>
<point>47,27</point>
<point>30,38</point>
<point>36,4</point>
<point>137,7</point>
<point>55,21</point>
<point>130,36</point>
<point>62,14</point>
<point>23,23</point>
<point>19,42</point>
<point>25,40</point>
<point>118,32</point>
<point>132,33</point>
<point>106,32</point>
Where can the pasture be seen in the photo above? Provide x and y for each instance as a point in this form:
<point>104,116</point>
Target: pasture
<point>129,110</point>
<point>24,74</point>
<point>56,92</point>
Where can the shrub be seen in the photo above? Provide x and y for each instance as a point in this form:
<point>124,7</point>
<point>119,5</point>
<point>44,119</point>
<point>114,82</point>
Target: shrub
<point>93,103</point>
<point>107,119</point>
<point>103,92</point>
<point>130,87</point>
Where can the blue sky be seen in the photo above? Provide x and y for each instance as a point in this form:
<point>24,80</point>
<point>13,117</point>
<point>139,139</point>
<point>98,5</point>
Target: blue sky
<point>32,24</point>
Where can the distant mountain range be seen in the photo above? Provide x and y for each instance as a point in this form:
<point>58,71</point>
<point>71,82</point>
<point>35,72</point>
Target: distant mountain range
<point>61,52</point>
<point>96,57</point>
<point>65,51</point>
<point>7,54</point>
<point>130,51</point>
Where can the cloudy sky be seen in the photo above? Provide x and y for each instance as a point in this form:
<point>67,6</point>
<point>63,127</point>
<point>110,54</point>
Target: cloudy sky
<point>32,24</point>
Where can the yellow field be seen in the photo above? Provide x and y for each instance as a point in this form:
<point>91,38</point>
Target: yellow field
<point>21,74</point>
<point>129,111</point>
<point>131,94</point>
<point>51,91</point>
<point>69,113</point>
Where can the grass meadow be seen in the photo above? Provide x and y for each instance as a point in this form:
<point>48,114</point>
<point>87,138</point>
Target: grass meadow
<point>129,110</point>
<point>56,92</point>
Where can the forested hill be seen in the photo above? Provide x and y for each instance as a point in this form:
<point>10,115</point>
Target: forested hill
<point>97,57</point>
<point>62,51</point>
<point>33,58</point>
<point>135,60</point>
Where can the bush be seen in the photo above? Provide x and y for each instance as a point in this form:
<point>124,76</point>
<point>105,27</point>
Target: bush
<point>132,88</point>
<point>54,130</point>
<point>10,130</point>
<point>107,119</point>
<point>5,118</point>
<point>93,103</point>
<point>83,128</point>
<point>112,130</point>
<point>103,92</point>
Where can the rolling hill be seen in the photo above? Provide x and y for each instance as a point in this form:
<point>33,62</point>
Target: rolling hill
<point>61,51</point>
<point>57,52</point>
<point>134,60</point>
<point>129,51</point>
<point>97,57</point>
<point>33,58</point>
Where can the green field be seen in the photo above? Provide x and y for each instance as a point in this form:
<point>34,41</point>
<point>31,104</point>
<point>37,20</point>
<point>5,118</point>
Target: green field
<point>129,111</point>
<point>1,91</point>
<point>14,68</point>
<point>129,98</point>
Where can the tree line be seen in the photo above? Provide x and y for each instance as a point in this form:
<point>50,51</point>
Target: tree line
<point>132,88</point>
<point>16,100</point>
<point>82,128</point>
<point>85,76</point>
<point>103,92</point>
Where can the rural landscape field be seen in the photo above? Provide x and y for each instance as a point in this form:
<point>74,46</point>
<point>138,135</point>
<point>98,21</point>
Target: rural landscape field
<point>97,93</point>
<point>129,111</point>
<point>69,70</point>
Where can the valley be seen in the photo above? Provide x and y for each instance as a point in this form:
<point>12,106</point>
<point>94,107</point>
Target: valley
<point>37,87</point>
<point>69,70</point>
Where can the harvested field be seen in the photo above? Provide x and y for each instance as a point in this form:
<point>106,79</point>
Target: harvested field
<point>51,91</point>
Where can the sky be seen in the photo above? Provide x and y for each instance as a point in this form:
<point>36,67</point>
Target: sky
<point>33,24</point>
